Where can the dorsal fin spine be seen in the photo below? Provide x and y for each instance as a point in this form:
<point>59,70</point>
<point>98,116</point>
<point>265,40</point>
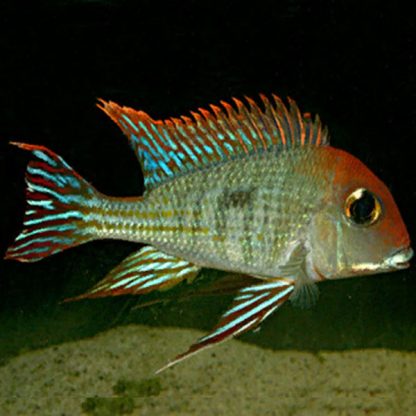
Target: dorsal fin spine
<point>159,136</point>
<point>165,168</point>
<point>270,110</point>
<point>182,131</point>
<point>130,122</point>
<point>209,126</point>
<point>297,122</point>
<point>171,135</point>
<point>176,130</point>
<point>308,130</point>
<point>165,132</point>
<point>314,132</point>
<point>149,141</point>
<point>196,147</point>
<point>175,135</point>
<point>200,132</point>
<point>283,115</point>
<point>249,121</point>
<point>211,122</point>
<point>260,116</point>
<point>218,115</point>
<point>232,120</point>
<point>226,122</point>
<point>318,129</point>
<point>256,129</point>
<point>302,126</point>
<point>221,125</point>
<point>191,131</point>
<point>244,131</point>
<point>235,120</point>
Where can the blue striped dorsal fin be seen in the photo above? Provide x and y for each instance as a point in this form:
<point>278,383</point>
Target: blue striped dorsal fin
<point>167,148</point>
<point>251,306</point>
<point>142,272</point>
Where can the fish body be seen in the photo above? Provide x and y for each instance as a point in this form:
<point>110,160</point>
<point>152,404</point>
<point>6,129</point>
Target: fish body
<point>256,192</point>
<point>242,216</point>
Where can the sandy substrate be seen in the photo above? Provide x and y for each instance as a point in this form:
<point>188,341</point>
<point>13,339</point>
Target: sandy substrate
<point>231,379</point>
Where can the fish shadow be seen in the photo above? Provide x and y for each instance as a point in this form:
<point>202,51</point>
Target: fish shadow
<point>361,313</point>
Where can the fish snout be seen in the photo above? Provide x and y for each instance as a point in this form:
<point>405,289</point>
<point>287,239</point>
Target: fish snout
<point>400,258</point>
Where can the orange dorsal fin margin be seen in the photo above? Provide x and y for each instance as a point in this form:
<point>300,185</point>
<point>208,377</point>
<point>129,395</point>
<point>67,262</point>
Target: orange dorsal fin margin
<point>168,148</point>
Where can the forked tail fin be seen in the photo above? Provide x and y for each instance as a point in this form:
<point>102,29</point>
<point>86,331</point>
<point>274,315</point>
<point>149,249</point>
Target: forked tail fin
<point>58,203</point>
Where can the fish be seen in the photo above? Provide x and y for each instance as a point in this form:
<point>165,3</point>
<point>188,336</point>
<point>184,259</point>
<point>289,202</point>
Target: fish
<point>249,187</point>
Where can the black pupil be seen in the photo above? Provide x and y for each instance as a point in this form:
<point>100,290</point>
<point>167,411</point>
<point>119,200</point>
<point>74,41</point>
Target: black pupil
<point>362,208</point>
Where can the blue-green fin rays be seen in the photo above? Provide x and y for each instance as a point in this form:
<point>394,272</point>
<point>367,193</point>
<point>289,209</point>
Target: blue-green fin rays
<point>60,204</point>
<point>250,307</point>
<point>168,148</point>
<point>142,272</point>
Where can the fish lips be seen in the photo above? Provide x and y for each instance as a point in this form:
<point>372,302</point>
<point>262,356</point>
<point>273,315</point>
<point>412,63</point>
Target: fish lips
<point>400,259</point>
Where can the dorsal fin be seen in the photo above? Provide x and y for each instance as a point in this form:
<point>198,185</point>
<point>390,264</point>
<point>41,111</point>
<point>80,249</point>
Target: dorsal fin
<point>167,148</point>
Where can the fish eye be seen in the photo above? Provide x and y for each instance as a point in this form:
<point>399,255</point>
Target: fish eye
<point>362,207</point>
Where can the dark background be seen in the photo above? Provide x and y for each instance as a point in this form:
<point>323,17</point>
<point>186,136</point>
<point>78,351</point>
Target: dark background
<point>352,62</point>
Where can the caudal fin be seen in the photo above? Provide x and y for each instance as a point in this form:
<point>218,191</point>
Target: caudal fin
<point>58,202</point>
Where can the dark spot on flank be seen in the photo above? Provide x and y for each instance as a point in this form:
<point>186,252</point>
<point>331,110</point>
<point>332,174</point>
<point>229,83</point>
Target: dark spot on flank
<point>237,198</point>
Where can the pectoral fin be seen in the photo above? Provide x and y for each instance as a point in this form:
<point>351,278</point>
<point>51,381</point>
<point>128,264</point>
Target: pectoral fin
<point>251,306</point>
<point>305,295</point>
<point>306,292</point>
<point>142,272</point>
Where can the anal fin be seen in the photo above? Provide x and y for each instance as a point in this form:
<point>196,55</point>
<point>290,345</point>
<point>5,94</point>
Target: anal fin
<point>142,272</point>
<point>251,306</point>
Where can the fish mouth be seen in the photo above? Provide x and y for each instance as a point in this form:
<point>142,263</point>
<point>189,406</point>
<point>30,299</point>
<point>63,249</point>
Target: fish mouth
<point>400,259</point>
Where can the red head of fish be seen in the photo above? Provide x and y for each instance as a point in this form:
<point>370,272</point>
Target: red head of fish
<point>359,229</point>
